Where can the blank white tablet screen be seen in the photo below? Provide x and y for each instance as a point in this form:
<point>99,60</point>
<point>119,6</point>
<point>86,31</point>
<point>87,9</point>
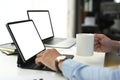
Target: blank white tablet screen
<point>27,38</point>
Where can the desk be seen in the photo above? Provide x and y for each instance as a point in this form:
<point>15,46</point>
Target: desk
<point>8,66</point>
<point>112,60</point>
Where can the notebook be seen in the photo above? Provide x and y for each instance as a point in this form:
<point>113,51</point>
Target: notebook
<point>8,48</point>
<point>27,41</point>
<point>43,23</point>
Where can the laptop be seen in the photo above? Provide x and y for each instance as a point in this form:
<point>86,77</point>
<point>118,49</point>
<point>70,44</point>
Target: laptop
<point>43,23</point>
<point>28,43</point>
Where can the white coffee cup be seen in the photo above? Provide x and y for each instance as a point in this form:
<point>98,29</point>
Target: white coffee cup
<point>85,44</point>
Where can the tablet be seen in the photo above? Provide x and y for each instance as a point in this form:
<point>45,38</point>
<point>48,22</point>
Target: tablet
<point>26,38</point>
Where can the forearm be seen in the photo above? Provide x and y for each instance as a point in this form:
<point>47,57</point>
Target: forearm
<point>77,71</point>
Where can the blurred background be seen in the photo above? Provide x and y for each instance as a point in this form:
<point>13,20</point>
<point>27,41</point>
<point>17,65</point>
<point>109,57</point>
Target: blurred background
<point>69,17</point>
<point>101,16</point>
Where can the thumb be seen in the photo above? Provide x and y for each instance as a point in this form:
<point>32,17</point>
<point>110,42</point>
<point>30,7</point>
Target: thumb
<point>38,61</point>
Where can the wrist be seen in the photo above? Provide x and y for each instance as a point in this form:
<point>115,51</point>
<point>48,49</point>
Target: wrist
<point>115,46</point>
<point>60,59</point>
<point>58,62</point>
<point>119,50</point>
<point>60,65</point>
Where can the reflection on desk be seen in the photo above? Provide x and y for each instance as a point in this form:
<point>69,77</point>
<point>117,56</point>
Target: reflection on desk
<point>96,60</point>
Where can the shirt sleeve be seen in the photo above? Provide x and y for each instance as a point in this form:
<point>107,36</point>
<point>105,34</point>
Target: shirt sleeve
<point>76,71</point>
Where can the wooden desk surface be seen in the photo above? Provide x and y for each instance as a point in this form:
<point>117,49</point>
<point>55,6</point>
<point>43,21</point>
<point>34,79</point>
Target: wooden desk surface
<point>112,60</point>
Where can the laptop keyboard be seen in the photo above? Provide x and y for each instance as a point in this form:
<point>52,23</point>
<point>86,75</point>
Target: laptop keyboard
<point>65,43</point>
<point>54,41</point>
